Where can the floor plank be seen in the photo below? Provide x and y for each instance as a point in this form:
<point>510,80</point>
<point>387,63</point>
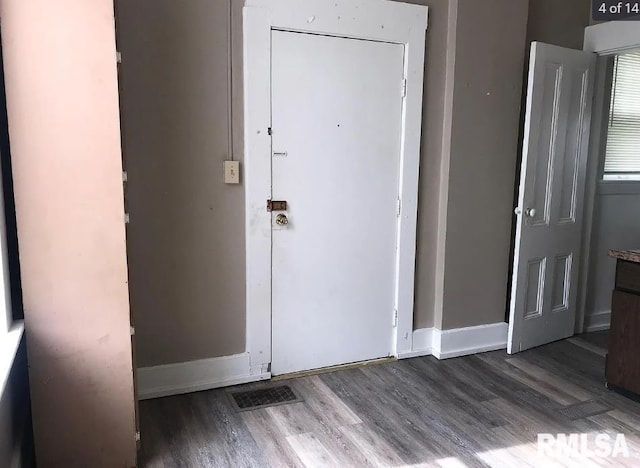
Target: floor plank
<point>311,451</point>
<point>473,411</point>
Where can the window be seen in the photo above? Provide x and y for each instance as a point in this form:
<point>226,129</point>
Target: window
<point>622,160</point>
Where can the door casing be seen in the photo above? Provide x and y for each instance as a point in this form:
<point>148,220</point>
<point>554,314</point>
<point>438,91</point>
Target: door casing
<point>377,20</point>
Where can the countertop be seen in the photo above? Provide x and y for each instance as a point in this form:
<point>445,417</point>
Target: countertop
<point>628,255</point>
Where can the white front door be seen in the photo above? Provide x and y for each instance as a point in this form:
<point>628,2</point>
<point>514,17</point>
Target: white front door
<point>336,126</point>
<point>550,204</point>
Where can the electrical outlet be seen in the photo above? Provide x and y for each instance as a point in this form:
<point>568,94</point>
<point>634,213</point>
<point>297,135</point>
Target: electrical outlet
<point>231,172</point>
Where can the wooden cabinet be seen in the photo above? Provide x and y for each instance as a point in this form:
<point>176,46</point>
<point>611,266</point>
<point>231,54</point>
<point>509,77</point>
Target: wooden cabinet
<point>623,358</point>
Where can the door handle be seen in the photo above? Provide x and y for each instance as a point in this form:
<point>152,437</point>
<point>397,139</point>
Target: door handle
<point>282,220</point>
<point>529,212</point>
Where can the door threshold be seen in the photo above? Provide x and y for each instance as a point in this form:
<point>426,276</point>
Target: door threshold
<point>324,370</point>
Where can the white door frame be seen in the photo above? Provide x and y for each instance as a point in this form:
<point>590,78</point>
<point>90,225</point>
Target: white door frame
<point>605,39</point>
<point>378,20</point>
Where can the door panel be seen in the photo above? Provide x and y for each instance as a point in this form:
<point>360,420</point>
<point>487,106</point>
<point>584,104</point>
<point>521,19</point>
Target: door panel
<point>549,225</point>
<point>336,116</point>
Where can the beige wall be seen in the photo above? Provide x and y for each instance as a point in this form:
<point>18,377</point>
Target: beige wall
<point>559,22</point>
<point>62,101</point>
<point>491,49</point>
<point>186,235</point>
<point>489,59</point>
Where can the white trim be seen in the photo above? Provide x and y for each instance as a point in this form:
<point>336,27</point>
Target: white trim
<point>598,321</point>
<point>595,168</point>
<point>612,37</point>
<point>470,340</point>
<point>194,376</point>
<point>9,344</point>
<point>422,344</point>
<point>365,19</point>
<point>445,344</point>
<point>621,178</point>
<point>618,187</point>
<point>257,148</point>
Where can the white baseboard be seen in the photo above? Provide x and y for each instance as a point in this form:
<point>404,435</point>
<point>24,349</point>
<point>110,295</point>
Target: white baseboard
<point>194,376</point>
<point>470,340</point>
<point>205,374</point>
<point>445,344</point>
<point>597,321</point>
<point>422,344</point>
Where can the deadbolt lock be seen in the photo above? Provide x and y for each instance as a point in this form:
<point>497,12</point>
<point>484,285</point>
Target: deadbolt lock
<point>282,220</point>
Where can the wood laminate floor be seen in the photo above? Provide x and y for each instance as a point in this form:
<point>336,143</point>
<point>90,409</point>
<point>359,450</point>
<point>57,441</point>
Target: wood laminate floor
<point>599,338</point>
<point>474,411</point>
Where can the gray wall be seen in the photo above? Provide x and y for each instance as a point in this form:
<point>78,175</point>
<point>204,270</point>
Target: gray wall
<point>616,225</point>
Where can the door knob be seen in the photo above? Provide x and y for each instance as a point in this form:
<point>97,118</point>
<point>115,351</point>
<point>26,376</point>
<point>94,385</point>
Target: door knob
<point>530,212</point>
<point>282,220</point>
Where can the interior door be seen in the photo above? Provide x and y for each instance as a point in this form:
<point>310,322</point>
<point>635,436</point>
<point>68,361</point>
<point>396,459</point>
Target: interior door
<point>336,117</point>
<point>552,183</point>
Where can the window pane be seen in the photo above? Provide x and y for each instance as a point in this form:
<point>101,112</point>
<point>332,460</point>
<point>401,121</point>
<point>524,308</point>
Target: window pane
<point>623,139</point>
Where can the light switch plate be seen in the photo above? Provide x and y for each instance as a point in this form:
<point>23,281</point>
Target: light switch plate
<point>231,172</point>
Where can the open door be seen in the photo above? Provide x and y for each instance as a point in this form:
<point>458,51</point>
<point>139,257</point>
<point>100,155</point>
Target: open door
<point>550,202</point>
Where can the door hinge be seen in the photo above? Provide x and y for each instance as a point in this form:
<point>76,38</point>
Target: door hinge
<point>126,218</point>
<point>395,317</point>
<point>125,176</point>
<point>132,330</point>
<point>399,207</point>
<point>269,131</point>
<point>118,56</point>
<point>404,87</point>
<point>138,436</point>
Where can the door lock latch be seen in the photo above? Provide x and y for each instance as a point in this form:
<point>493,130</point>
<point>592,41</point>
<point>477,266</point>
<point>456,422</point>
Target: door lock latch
<point>276,205</point>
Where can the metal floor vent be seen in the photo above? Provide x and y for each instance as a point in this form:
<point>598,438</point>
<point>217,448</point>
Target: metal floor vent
<point>264,397</point>
<point>585,409</point>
